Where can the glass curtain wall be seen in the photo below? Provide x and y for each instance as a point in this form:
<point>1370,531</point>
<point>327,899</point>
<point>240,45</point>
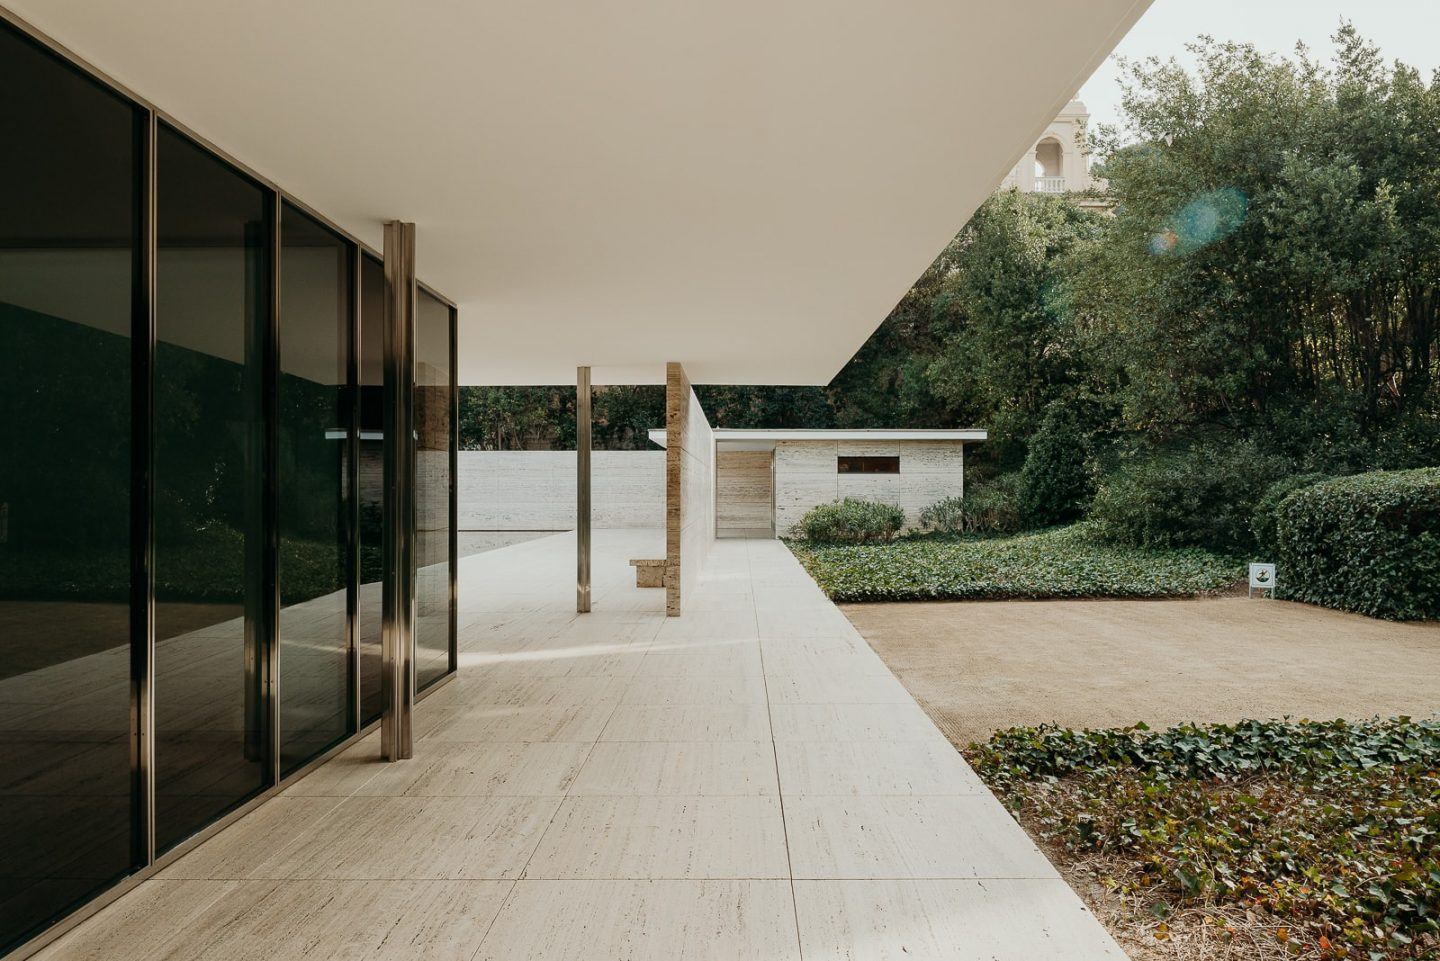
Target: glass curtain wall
<point>434,477</point>
<point>191,466</point>
<point>69,264</point>
<point>315,409</point>
<point>212,322</point>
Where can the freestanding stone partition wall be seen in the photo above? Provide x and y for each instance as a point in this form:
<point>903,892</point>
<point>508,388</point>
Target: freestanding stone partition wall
<point>689,487</point>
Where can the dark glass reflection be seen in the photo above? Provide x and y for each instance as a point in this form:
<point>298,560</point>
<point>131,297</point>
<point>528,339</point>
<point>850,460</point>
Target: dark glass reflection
<point>372,481</point>
<point>432,490</point>
<point>314,530</point>
<point>211,319</point>
<point>68,261</point>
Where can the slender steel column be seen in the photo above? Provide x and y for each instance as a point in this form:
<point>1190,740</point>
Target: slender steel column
<point>352,487</point>
<point>142,515</point>
<point>270,504</point>
<point>454,520</point>
<point>582,490</point>
<point>398,629</point>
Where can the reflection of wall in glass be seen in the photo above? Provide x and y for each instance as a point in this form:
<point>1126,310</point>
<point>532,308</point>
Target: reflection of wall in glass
<point>432,489</point>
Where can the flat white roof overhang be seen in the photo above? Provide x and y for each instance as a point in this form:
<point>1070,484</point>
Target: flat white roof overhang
<point>745,187</point>
<point>738,439</point>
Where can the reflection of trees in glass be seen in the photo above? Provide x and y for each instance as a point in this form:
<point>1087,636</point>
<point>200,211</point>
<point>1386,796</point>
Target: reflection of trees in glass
<point>312,465</point>
<point>58,491</point>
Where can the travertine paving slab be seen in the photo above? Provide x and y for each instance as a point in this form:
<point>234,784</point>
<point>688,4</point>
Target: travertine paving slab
<point>581,723</point>
<point>852,722</point>
<point>831,688</point>
<point>663,837</point>
<point>991,920</point>
<point>964,836</point>
<point>461,769</point>
<point>697,689</point>
<point>688,722</point>
<point>724,662</point>
<point>645,921</point>
<point>429,838</point>
<point>780,662</point>
<point>295,920</point>
<point>930,766</point>
<point>147,922</point>
<point>703,769</point>
<point>276,825</point>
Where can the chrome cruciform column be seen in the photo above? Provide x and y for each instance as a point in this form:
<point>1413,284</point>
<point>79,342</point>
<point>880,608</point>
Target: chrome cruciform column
<point>397,670</point>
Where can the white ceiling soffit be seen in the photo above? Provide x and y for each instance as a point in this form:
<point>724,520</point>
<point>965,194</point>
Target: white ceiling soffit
<point>744,186</point>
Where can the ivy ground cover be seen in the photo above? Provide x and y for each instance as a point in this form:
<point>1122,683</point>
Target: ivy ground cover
<point>1053,563</point>
<point>1260,840</point>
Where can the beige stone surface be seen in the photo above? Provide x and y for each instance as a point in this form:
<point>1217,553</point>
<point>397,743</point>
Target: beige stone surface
<point>664,837</point>
<point>689,488</point>
<point>1009,919</point>
<point>645,921</point>
<point>887,836</point>
<point>744,493</point>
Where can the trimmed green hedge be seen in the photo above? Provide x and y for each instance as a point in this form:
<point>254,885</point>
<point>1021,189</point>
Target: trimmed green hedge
<point>1368,543</point>
<point>851,521</point>
<point>1058,562</point>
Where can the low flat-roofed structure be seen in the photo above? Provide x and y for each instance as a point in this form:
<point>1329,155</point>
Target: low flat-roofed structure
<point>765,480</point>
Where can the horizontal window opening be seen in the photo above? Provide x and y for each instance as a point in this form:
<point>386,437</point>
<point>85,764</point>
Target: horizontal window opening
<point>868,465</point>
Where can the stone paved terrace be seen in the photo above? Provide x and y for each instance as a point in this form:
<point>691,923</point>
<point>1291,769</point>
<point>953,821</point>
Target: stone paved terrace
<point>748,781</point>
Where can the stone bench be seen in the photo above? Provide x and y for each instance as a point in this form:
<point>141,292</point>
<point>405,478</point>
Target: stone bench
<point>648,573</point>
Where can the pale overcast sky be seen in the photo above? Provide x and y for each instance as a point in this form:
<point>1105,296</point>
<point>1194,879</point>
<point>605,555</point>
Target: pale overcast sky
<point>1407,30</point>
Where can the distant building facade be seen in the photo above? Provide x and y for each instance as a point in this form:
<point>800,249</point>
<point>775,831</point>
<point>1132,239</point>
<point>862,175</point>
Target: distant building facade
<point>1059,162</point>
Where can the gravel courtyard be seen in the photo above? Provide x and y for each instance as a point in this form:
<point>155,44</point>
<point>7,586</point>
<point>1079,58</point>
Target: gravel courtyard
<point>980,666</point>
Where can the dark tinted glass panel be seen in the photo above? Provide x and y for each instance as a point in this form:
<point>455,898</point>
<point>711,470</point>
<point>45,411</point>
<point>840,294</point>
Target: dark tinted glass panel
<point>211,318</point>
<point>372,480</point>
<point>868,465</point>
<point>432,490</point>
<point>314,530</point>
<point>68,259</point>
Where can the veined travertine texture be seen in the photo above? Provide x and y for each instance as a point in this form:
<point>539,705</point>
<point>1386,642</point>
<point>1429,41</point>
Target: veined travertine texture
<point>535,490</point>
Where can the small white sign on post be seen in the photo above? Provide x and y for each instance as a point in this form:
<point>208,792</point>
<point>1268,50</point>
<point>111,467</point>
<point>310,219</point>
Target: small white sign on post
<point>1262,578</point>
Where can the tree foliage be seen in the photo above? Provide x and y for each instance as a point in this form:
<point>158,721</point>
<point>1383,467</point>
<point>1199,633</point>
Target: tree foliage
<point>1275,250</point>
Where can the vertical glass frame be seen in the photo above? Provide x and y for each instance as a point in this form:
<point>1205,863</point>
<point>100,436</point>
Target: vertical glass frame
<point>316,499</point>
<point>215,495</point>
<point>434,399</point>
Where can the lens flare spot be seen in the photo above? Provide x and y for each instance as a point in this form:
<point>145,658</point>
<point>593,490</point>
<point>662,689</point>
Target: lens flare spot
<point>1211,216</point>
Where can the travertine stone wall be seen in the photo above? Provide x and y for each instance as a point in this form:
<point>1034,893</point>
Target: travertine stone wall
<point>689,487</point>
<point>744,495</point>
<point>535,490</point>
<point>806,475</point>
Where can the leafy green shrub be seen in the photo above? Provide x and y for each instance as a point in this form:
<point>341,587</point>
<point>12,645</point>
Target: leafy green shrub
<point>1262,519</point>
<point>1368,543</point>
<point>1321,836</point>
<point>1055,481</point>
<point>988,508</point>
<point>851,521</point>
<point>1201,497</point>
<point>1058,562</point>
